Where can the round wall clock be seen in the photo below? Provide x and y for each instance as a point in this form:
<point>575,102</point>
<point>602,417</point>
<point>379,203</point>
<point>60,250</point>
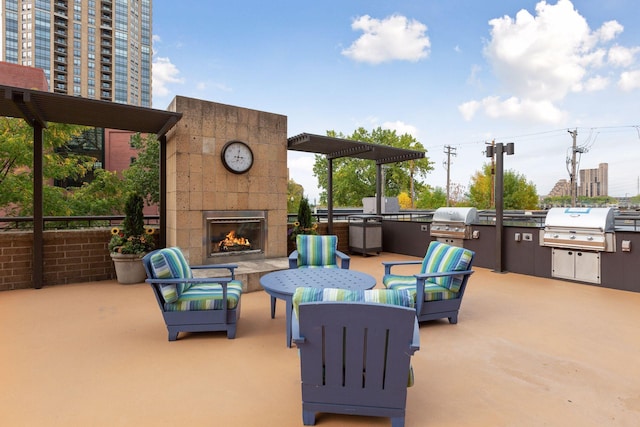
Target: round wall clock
<point>237,156</point>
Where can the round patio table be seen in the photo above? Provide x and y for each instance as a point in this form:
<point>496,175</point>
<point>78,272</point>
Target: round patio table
<point>283,283</point>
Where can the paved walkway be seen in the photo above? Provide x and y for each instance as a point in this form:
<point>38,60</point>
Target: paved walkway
<point>526,352</point>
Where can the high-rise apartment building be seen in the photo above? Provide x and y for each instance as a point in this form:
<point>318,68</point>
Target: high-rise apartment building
<point>594,182</point>
<point>98,49</point>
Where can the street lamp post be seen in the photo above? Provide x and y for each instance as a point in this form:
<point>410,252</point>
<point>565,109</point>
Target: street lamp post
<point>499,150</point>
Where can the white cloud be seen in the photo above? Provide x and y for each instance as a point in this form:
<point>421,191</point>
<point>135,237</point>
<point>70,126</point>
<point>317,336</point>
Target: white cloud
<point>596,83</point>
<point>469,109</point>
<point>622,56</point>
<point>393,38</point>
<point>164,73</point>
<point>629,80</point>
<point>514,108</point>
<point>401,128</point>
<point>539,60</point>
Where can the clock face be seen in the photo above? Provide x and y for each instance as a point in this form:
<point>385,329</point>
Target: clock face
<point>237,157</point>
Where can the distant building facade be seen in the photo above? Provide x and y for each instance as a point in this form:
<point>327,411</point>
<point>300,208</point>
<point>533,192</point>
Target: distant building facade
<point>561,189</point>
<point>594,182</point>
<point>97,49</point>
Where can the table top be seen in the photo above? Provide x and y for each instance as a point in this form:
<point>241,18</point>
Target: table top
<point>286,281</point>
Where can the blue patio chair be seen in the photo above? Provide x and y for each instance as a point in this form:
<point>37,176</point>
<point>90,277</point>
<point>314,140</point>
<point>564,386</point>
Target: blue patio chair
<point>355,351</point>
<point>439,286</point>
<point>314,251</point>
<point>190,304</point>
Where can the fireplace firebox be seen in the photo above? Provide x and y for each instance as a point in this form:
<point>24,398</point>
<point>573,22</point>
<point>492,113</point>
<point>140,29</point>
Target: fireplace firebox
<point>235,235</point>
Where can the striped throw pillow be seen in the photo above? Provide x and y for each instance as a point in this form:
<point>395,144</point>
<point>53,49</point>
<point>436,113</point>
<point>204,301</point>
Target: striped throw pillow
<point>169,263</point>
<point>316,250</point>
<point>441,257</point>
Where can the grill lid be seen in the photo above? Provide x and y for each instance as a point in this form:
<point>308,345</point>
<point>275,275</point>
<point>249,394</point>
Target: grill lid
<point>456,215</point>
<point>601,219</point>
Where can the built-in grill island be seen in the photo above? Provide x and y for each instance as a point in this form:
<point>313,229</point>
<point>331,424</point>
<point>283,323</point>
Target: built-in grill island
<point>577,237</point>
<point>452,225</point>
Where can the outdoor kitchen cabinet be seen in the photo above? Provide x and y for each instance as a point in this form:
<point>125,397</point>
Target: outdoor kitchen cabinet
<point>365,234</point>
<point>583,266</point>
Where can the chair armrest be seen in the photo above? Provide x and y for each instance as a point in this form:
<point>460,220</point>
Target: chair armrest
<point>389,264</point>
<point>423,276</point>
<point>295,330</point>
<point>293,259</point>
<point>415,344</point>
<point>218,280</point>
<point>230,267</point>
<point>344,260</point>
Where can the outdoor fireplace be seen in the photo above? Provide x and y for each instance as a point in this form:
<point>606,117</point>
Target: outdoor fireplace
<point>235,235</point>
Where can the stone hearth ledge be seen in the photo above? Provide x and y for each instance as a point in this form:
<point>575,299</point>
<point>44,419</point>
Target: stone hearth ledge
<point>249,272</point>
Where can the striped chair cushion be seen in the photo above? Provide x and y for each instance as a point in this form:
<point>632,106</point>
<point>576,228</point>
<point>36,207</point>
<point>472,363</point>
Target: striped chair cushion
<point>441,257</point>
<point>383,296</point>
<point>206,296</point>
<point>432,292</point>
<point>169,263</point>
<point>318,251</point>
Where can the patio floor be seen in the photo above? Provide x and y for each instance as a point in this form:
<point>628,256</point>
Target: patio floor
<point>526,352</point>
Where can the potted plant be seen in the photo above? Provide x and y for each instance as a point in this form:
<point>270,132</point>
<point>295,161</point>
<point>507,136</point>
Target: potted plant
<point>131,242</point>
<point>304,224</point>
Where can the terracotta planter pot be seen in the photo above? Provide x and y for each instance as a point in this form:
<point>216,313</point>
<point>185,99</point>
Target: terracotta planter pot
<point>129,268</point>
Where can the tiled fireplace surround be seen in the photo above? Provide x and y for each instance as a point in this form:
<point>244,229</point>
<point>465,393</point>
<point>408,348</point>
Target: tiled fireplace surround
<point>198,182</point>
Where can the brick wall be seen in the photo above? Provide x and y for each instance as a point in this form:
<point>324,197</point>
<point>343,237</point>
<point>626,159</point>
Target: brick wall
<point>70,256</point>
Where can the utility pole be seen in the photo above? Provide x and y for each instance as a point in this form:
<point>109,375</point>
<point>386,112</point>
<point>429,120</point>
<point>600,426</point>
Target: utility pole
<point>573,181</point>
<point>449,151</point>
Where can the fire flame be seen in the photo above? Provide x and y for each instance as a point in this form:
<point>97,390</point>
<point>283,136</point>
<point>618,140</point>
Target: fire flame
<point>231,239</point>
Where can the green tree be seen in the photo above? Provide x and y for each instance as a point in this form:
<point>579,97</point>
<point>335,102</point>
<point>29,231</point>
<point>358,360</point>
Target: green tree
<point>16,166</point>
<point>431,198</point>
<point>354,179</point>
<point>518,192</point>
<point>295,192</point>
<point>143,176</point>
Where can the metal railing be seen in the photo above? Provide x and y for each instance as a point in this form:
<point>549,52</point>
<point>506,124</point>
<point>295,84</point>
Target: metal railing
<point>69,222</point>
<point>624,220</point>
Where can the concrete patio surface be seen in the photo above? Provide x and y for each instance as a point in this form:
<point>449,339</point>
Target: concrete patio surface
<point>526,352</point>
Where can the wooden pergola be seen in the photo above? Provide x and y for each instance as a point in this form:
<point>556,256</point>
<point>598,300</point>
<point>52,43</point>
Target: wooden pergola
<point>334,148</point>
<point>38,108</point>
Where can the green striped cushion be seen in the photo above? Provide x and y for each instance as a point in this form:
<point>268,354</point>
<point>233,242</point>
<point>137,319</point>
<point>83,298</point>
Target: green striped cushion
<point>207,296</point>
<point>169,263</point>
<point>441,257</point>
<point>383,296</point>
<point>432,292</point>
<point>316,250</point>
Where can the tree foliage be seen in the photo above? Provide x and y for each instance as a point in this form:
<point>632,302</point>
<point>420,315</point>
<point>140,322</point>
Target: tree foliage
<point>354,179</point>
<point>16,166</point>
<point>143,176</point>
<point>431,198</point>
<point>518,192</point>
<point>295,192</point>
<point>103,195</point>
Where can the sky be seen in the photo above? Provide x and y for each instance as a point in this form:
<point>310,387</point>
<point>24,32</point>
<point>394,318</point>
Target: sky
<point>452,73</point>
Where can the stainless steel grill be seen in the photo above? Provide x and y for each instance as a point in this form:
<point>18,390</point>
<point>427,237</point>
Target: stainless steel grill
<point>580,228</point>
<point>452,225</point>
<point>577,237</point>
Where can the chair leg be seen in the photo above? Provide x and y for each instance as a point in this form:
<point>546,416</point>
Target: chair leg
<point>231,331</point>
<point>173,335</point>
<point>453,319</point>
<point>397,422</point>
<point>308,418</point>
